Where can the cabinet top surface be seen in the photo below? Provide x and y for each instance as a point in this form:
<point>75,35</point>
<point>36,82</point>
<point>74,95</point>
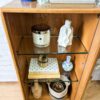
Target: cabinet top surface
<point>32,7</point>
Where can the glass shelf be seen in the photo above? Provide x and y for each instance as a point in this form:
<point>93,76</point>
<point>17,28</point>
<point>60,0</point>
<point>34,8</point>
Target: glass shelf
<point>71,76</point>
<point>26,47</point>
<point>46,95</point>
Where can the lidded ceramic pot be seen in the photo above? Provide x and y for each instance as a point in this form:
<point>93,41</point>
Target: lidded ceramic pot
<point>41,35</point>
<point>59,89</point>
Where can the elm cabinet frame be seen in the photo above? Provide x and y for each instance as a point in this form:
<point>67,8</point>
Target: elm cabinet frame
<point>18,19</point>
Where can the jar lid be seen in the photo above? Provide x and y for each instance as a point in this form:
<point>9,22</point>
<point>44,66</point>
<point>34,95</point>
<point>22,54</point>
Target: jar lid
<point>58,86</point>
<point>40,27</point>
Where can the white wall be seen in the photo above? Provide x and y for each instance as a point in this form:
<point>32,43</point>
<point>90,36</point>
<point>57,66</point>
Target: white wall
<point>73,1</point>
<point>7,71</point>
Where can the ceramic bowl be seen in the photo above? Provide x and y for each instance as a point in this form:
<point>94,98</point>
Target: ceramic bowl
<point>59,89</point>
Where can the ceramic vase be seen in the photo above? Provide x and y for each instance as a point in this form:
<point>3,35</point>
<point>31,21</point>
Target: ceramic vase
<point>67,65</point>
<point>37,90</point>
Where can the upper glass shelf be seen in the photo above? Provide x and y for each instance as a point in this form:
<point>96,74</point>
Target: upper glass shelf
<point>26,47</point>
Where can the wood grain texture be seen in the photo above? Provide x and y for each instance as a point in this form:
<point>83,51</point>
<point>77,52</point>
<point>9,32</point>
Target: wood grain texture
<point>55,21</point>
<point>10,91</point>
<point>79,64</point>
<point>91,60</point>
<point>88,29</point>
<point>32,7</point>
<point>74,90</point>
<point>42,76</point>
<point>92,91</point>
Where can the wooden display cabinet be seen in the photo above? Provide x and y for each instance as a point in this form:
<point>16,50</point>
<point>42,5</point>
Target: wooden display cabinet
<point>18,18</point>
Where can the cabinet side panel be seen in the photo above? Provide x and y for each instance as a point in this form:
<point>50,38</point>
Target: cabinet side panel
<point>88,29</point>
<point>79,64</point>
<point>91,60</point>
<point>22,62</point>
<point>11,49</point>
<point>74,90</point>
<point>14,40</point>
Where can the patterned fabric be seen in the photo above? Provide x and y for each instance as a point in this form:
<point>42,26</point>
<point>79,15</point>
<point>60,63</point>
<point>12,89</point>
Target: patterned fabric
<point>51,68</point>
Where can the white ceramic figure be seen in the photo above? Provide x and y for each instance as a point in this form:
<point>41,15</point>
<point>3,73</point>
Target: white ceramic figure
<point>40,2</point>
<point>66,34</point>
<point>67,65</point>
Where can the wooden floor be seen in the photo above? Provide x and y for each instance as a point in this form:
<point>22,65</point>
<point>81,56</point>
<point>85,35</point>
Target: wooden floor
<point>93,91</point>
<point>11,91</point>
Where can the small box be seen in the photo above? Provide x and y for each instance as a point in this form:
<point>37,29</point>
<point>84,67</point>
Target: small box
<point>37,72</point>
